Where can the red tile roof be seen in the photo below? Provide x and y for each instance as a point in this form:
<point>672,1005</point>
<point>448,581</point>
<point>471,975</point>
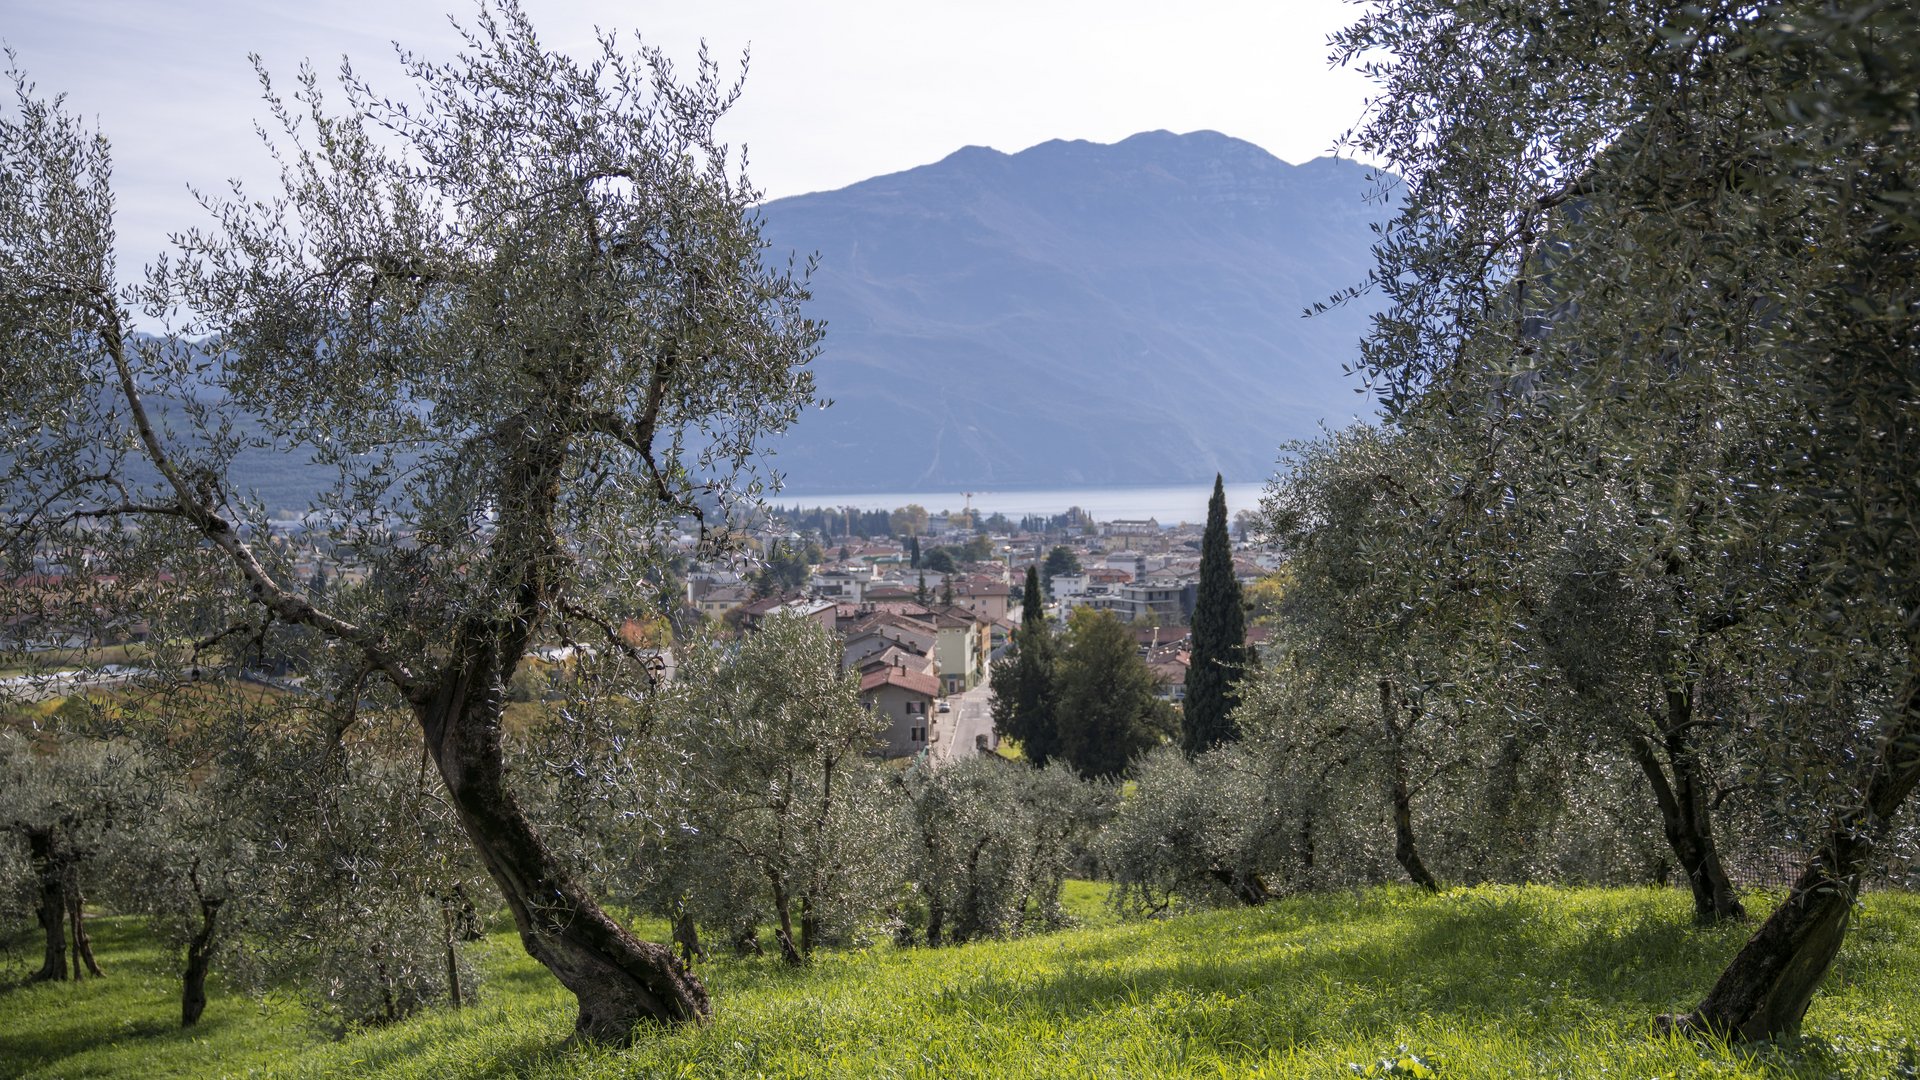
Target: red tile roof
<point>907,680</point>
<point>880,619</point>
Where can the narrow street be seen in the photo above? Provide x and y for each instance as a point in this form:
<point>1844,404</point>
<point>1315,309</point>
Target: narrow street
<point>968,728</point>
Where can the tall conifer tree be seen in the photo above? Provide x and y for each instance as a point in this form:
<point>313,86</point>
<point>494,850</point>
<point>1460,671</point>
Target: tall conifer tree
<point>1219,638</point>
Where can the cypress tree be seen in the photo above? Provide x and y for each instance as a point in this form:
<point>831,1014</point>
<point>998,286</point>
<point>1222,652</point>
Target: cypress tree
<point>1219,638</point>
<point>913,552</point>
<point>1023,691</point>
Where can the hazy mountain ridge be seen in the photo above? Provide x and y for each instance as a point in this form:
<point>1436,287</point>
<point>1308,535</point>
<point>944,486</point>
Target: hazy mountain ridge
<point>1077,313</point>
<point>1074,314</point>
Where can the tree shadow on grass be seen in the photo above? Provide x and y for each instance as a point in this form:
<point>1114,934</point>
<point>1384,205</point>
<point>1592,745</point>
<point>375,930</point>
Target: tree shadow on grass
<point>373,1052</point>
<point>1286,974</point>
<point>65,1037</point>
<point>520,979</point>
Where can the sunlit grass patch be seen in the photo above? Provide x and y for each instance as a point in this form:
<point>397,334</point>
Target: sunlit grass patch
<point>1499,981</point>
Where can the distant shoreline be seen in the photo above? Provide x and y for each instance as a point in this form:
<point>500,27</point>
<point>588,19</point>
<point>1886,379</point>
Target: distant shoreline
<point>1169,504</point>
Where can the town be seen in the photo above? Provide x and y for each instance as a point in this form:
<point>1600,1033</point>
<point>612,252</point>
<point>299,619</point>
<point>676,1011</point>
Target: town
<point>922,608</point>
<point>922,615</point>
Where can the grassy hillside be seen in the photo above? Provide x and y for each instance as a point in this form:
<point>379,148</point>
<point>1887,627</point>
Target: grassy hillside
<point>1483,982</point>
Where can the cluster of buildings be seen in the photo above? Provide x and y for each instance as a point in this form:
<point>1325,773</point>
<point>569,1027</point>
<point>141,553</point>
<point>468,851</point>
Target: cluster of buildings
<point>912,653</point>
<point>918,636</point>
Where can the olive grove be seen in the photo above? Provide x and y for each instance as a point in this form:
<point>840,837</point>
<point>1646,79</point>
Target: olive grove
<point>521,308</point>
<point>1622,587</point>
<point>1651,316</point>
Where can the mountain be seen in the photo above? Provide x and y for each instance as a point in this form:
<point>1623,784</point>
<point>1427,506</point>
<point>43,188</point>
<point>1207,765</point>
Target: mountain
<point>1077,313</point>
<point>1073,314</point>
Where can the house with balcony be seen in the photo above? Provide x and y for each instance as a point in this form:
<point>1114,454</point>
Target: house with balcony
<point>1068,585</point>
<point>841,584</point>
<point>1165,602</point>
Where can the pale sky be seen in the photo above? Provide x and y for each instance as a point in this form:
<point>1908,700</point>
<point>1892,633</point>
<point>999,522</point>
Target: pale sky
<point>837,91</point>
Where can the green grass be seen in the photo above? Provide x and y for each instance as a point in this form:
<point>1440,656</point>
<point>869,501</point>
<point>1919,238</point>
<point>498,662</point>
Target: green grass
<point>1527,982</point>
<point>1086,902</point>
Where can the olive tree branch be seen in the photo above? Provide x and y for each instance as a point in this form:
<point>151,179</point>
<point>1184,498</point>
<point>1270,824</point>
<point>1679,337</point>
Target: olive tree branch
<point>197,509</point>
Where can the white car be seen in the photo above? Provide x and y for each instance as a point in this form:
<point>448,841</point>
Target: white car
<point>944,706</point>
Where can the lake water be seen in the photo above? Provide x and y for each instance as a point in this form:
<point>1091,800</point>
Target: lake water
<point>1168,505</point>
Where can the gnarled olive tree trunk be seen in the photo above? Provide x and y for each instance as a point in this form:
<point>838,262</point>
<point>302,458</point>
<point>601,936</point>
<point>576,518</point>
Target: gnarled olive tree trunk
<point>687,936</point>
<point>1679,788</point>
<point>193,983</point>
<point>59,909</point>
<point>45,851</point>
<point>1766,988</point>
<point>619,980</point>
<point>1400,792</point>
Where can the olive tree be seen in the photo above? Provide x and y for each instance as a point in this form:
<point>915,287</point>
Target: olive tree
<point>519,311</point>
<point>198,873</point>
<point>1198,831</point>
<point>1359,510</point>
<point>744,790</point>
<point>1504,632</point>
<point>1060,817</point>
<point>992,843</point>
<point>70,814</point>
<point>320,860</point>
<point>1616,219</point>
<point>1632,628</point>
<point>778,774</point>
<point>361,903</point>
